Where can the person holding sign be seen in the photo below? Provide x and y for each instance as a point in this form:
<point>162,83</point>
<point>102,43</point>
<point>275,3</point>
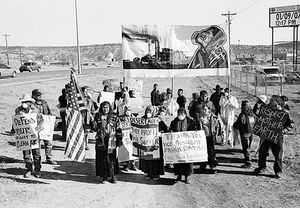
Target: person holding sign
<point>152,167</point>
<point>44,109</point>
<point>182,123</point>
<point>212,126</point>
<point>108,138</point>
<point>28,107</point>
<point>274,111</point>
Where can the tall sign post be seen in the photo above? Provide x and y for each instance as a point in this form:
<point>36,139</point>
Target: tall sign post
<point>286,16</point>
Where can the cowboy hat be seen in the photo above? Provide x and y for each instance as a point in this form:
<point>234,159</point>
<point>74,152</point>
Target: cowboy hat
<point>218,87</point>
<point>263,98</point>
<point>26,97</point>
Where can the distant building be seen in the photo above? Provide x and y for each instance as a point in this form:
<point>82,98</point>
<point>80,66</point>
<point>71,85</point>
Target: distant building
<point>245,59</point>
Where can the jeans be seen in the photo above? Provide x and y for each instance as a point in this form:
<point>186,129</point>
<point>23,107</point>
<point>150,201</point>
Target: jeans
<point>48,149</point>
<point>36,154</point>
<point>277,150</point>
<point>246,143</point>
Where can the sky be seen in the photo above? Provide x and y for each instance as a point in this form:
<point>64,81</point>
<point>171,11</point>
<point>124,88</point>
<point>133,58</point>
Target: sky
<point>52,22</point>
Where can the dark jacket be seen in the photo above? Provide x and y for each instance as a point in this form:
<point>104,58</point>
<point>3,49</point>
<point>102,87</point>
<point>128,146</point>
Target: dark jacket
<point>43,107</point>
<point>215,99</point>
<point>181,101</point>
<point>185,125</point>
<point>243,124</point>
<point>155,98</point>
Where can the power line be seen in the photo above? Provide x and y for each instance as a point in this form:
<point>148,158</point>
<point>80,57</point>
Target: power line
<point>6,43</point>
<point>248,6</point>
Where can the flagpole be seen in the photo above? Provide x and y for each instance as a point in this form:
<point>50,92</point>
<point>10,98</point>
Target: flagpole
<point>78,46</point>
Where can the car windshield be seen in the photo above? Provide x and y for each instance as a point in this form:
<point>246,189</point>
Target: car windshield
<point>271,70</point>
<point>28,63</point>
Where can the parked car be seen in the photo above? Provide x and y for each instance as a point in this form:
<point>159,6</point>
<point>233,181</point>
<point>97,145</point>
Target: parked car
<point>292,77</point>
<point>270,74</point>
<point>110,65</point>
<point>30,66</point>
<point>7,71</point>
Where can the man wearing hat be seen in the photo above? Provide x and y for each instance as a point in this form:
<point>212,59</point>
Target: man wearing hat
<point>27,107</point>
<point>215,98</point>
<point>261,101</point>
<point>228,104</point>
<point>43,108</point>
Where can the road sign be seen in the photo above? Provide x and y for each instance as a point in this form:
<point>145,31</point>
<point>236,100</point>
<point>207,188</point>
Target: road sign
<point>286,16</point>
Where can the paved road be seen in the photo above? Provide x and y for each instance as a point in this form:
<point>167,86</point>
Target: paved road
<point>29,77</point>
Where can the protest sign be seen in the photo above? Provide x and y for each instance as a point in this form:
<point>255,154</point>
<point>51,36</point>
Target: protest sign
<point>113,84</point>
<point>136,86</point>
<point>107,96</point>
<point>145,138</point>
<point>184,147</point>
<point>175,50</point>
<point>47,127</point>
<point>126,150</point>
<point>136,105</point>
<point>269,124</point>
<point>25,131</point>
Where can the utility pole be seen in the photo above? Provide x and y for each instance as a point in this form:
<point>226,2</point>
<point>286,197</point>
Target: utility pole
<point>78,46</point>
<point>7,58</point>
<point>20,54</point>
<point>229,23</point>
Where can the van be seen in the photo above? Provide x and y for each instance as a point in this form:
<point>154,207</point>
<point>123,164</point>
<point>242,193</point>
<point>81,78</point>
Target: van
<point>269,74</point>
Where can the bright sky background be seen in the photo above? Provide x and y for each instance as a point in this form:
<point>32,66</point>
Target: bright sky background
<point>52,22</point>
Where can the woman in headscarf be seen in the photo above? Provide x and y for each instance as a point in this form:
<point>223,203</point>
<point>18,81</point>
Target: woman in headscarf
<point>108,138</point>
<point>182,123</point>
<point>155,167</point>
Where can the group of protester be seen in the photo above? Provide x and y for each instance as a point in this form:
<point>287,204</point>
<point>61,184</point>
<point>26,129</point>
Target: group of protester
<point>216,115</point>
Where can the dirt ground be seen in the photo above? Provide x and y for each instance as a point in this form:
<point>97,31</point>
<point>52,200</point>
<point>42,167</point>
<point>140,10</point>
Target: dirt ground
<point>71,184</point>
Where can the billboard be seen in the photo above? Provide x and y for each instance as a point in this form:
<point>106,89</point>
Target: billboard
<point>175,50</point>
<point>285,16</point>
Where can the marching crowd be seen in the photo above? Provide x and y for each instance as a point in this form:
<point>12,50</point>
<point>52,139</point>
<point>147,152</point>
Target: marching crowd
<point>215,114</point>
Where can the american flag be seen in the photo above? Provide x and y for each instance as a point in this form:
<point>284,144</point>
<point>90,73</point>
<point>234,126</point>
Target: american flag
<point>75,147</point>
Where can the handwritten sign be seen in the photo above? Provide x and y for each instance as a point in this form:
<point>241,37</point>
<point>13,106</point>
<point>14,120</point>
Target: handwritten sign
<point>113,84</point>
<point>25,131</point>
<point>47,128</point>
<point>136,86</point>
<point>269,124</point>
<point>184,147</point>
<point>145,138</point>
<point>107,96</point>
<point>126,150</point>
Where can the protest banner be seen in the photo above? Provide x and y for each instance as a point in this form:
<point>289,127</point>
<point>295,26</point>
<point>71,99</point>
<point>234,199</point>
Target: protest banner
<point>269,124</point>
<point>184,147</point>
<point>136,86</point>
<point>175,50</point>
<point>107,96</point>
<point>145,138</point>
<point>125,152</point>
<point>113,84</point>
<point>136,105</point>
<point>25,131</point>
<point>47,127</point>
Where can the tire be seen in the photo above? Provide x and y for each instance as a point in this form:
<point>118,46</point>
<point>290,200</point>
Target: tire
<point>14,74</point>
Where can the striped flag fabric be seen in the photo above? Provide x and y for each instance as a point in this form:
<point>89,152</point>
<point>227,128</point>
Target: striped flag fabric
<point>75,147</point>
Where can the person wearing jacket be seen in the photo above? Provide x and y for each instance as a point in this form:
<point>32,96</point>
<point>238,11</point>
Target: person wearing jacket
<point>155,96</point>
<point>261,101</point>
<point>276,103</point>
<point>213,127</point>
<point>31,157</point>
<point>228,104</point>
<point>108,138</point>
<point>155,167</point>
<point>202,100</point>
<point>244,124</point>
<point>44,109</point>
<point>182,123</point>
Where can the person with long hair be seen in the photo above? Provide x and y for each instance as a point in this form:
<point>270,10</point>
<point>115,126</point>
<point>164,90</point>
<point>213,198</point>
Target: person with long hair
<point>108,138</point>
<point>182,123</point>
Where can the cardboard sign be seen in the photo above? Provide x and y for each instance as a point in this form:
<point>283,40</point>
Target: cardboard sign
<point>184,147</point>
<point>47,128</point>
<point>269,124</point>
<point>126,150</point>
<point>145,136</point>
<point>25,131</point>
<point>136,86</point>
<point>136,105</point>
<point>113,84</point>
<point>107,96</point>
